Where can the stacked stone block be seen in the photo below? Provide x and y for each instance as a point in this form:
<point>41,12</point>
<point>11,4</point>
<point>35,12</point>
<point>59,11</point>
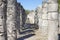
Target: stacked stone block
<point>11,15</point>
<point>49,20</point>
<point>36,17</point>
<point>39,20</point>
<point>30,17</point>
<point>59,24</point>
<point>59,18</point>
<point>53,20</point>
<point>18,19</point>
<point>23,16</point>
<point>20,16</point>
<point>11,19</point>
<point>44,22</point>
<point>3,19</point>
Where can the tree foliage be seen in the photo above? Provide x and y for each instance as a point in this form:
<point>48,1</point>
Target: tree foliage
<point>27,11</point>
<point>59,5</point>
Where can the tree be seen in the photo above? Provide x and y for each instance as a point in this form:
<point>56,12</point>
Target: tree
<point>27,11</point>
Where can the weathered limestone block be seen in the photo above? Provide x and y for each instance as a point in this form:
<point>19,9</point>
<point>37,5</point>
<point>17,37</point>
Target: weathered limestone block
<point>53,7</point>
<point>21,23</point>
<point>18,19</point>
<point>23,16</point>
<point>53,22</point>
<point>40,22</point>
<point>30,17</point>
<point>37,11</point>
<point>53,15</point>
<point>52,1</point>
<point>18,15</point>
<point>11,19</point>
<point>45,16</point>
<point>44,27</point>
<point>53,30</point>
<point>2,19</point>
<point>45,10</point>
<point>59,24</point>
<point>44,4</point>
<point>44,23</point>
<point>59,19</point>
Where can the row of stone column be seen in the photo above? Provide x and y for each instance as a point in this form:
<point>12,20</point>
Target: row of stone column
<point>11,13</point>
<point>48,20</point>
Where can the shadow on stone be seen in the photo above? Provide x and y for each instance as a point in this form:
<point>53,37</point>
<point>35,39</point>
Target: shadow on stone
<point>58,36</point>
<point>27,31</point>
<point>25,37</point>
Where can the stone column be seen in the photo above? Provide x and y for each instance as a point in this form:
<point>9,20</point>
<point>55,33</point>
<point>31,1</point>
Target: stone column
<point>21,23</point>
<point>38,21</point>
<point>23,17</point>
<point>18,19</point>
<point>2,19</point>
<point>59,20</point>
<point>53,20</point>
<point>44,21</point>
<point>36,16</point>
<point>11,19</point>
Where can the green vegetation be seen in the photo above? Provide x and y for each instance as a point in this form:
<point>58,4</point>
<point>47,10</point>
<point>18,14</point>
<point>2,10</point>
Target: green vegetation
<point>59,1</point>
<point>27,11</point>
<point>59,5</point>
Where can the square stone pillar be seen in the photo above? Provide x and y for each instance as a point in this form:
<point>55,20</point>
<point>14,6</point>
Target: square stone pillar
<point>53,20</point>
<point>11,19</point>
<point>44,26</point>
<point>18,20</point>
<point>3,19</point>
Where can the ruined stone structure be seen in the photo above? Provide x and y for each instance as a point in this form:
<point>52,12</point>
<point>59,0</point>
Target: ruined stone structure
<point>30,17</point>
<point>3,19</point>
<point>44,22</point>
<point>53,19</point>
<point>23,16</point>
<point>49,20</point>
<point>18,19</point>
<point>11,19</point>
<point>59,18</point>
<point>36,16</point>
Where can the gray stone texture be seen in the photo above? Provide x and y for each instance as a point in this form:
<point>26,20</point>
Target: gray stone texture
<point>23,16</point>
<point>59,25</point>
<point>3,19</point>
<point>11,19</point>
<point>53,20</point>
<point>44,27</point>
<point>18,19</point>
<point>30,17</point>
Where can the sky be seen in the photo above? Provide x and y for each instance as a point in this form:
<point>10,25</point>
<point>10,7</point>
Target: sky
<point>30,4</point>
